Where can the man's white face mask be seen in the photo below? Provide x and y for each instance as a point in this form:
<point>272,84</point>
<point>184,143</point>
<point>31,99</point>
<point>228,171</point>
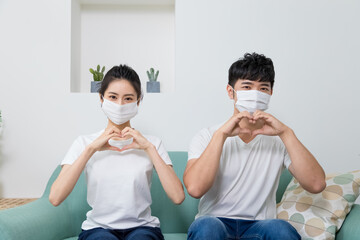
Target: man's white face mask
<point>252,100</point>
<point>117,113</point>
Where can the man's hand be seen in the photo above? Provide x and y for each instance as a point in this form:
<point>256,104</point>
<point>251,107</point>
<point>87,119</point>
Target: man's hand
<point>272,126</point>
<point>232,127</point>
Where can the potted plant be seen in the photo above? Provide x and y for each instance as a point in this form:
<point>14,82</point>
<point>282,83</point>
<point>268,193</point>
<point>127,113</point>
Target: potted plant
<point>152,86</point>
<point>98,77</point>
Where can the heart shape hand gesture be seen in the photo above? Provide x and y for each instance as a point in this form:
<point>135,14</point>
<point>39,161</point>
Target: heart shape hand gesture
<point>271,126</point>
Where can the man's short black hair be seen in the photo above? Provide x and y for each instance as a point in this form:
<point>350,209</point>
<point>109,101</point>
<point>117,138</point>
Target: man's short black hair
<point>255,67</point>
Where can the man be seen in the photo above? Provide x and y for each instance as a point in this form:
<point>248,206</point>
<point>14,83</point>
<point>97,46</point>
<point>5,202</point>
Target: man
<point>235,167</point>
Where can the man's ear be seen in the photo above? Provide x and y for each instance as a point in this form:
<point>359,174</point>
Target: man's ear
<point>230,91</point>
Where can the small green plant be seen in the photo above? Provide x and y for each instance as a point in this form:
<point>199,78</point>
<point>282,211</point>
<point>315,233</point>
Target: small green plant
<point>97,75</point>
<point>152,75</point>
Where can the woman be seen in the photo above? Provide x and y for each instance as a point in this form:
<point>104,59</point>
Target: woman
<point>118,176</point>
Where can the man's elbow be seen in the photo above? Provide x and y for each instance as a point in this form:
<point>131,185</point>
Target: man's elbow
<point>317,186</point>
<point>192,186</point>
<point>194,191</point>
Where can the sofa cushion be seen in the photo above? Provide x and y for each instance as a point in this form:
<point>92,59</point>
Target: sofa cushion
<point>320,216</point>
<point>175,236</point>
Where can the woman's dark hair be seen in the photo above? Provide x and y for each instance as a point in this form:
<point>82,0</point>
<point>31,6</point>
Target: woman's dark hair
<point>255,67</point>
<point>123,72</point>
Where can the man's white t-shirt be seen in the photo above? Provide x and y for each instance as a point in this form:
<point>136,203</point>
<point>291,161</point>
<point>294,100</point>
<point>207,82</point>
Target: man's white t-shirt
<point>118,185</point>
<point>247,179</point>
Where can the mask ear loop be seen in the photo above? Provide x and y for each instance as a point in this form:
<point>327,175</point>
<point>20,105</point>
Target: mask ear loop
<point>233,91</point>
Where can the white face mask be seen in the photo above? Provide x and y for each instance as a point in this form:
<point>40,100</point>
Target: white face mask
<point>117,113</point>
<point>252,100</point>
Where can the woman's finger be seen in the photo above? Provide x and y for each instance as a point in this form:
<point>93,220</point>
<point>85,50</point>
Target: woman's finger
<point>113,135</point>
<point>127,129</point>
<point>113,148</point>
<point>132,134</point>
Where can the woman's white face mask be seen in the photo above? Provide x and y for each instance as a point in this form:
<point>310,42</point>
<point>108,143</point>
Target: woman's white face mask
<point>117,113</point>
<point>252,100</point>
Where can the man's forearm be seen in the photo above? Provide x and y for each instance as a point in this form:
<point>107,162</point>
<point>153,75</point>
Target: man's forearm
<point>304,166</point>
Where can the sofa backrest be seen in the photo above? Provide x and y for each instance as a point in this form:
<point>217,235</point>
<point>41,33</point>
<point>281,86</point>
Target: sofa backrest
<point>76,203</point>
<point>285,179</point>
<point>173,218</point>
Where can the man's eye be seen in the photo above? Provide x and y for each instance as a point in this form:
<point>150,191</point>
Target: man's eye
<point>265,89</point>
<point>246,87</point>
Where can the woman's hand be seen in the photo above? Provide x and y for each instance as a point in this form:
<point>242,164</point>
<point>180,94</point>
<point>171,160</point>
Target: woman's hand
<point>139,141</point>
<point>101,143</point>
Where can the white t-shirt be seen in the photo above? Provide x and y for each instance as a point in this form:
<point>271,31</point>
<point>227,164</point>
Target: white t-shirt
<point>118,185</point>
<point>247,179</point>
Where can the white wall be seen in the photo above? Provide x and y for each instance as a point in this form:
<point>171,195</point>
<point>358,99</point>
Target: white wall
<point>140,36</point>
<point>314,45</point>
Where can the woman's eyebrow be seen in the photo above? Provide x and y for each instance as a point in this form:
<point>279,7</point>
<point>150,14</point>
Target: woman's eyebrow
<point>129,94</point>
<point>113,93</point>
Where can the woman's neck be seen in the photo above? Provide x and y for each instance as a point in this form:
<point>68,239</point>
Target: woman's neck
<point>120,127</point>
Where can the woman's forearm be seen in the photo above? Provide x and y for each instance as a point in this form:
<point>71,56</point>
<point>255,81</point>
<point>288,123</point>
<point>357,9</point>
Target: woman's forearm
<point>170,182</point>
<point>68,177</point>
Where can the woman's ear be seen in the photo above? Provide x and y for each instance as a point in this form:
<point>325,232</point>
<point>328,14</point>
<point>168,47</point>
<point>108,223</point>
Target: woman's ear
<point>101,98</point>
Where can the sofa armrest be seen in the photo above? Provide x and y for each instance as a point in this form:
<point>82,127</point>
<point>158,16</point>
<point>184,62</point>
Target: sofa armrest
<point>38,220</point>
<point>350,229</point>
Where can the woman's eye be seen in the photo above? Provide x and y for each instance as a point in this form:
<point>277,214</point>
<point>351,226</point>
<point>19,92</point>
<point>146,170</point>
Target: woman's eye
<point>128,99</point>
<point>113,97</point>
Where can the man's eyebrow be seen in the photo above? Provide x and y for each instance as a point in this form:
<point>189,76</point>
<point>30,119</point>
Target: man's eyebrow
<point>265,84</point>
<point>247,83</point>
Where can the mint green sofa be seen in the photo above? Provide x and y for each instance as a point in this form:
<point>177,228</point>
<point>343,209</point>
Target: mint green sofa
<point>40,220</point>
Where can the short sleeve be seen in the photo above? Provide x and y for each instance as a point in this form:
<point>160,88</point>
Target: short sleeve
<point>163,153</point>
<point>199,143</point>
<point>74,152</point>
<point>287,160</point>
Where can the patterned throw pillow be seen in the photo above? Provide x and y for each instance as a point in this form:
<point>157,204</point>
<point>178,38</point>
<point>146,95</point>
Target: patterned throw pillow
<point>320,216</point>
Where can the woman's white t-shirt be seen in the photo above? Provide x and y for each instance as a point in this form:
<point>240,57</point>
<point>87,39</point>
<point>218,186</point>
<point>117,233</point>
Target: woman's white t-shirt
<point>118,184</point>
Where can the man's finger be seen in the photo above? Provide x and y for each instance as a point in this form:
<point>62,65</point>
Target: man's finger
<point>257,132</point>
